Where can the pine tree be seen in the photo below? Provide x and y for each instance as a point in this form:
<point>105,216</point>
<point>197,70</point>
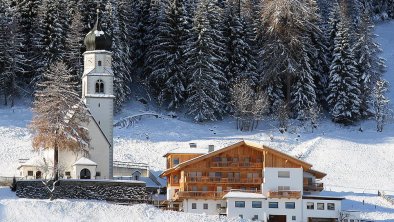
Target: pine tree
<point>204,74</point>
<point>120,55</point>
<point>51,40</point>
<point>283,50</point>
<point>167,55</point>
<point>12,57</point>
<point>369,64</point>
<point>74,44</point>
<point>27,22</point>
<point>60,117</point>
<point>380,103</point>
<point>344,93</point>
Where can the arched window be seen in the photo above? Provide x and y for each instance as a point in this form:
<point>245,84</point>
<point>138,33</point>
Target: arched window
<point>84,174</point>
<point>99,86</point>
<point>38,175</point>
<point>136,175</point>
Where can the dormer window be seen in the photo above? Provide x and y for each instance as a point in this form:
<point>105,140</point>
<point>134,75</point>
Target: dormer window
<point>99,63</point>
<point>99,86</point>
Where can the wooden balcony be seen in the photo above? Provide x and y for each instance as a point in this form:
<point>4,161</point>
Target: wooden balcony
<point>208,195</point>
<point>314,187</point>
<point>284,194</point>
<point>235,164</point>
<point>206,179</point>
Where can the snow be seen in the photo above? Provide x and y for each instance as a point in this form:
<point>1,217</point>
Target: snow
<point>236,194</point>
<point>358,164</point>
<point>85,161</point>
<point>189,150</point>
<point>13,209</point>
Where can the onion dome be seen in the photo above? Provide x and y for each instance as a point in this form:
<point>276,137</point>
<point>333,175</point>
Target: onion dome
<point>97,39</point>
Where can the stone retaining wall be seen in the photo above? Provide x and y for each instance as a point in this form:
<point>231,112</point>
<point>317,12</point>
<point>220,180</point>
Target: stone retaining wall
<point>110,190</point>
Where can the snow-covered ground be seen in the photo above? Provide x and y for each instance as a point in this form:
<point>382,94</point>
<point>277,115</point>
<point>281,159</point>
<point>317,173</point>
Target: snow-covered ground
<point>358,164</point>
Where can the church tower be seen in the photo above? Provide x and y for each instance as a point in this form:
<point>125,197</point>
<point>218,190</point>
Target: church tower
<point>97,83</point>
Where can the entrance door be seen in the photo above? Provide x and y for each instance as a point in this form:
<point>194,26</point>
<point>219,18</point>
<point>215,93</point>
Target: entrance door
<point>85,174</point>
<point>277,218</point>
<point>38,175</point>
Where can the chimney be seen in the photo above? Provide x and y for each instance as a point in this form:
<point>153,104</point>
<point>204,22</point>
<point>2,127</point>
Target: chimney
<point>193,145</point>
<point>211,148</point>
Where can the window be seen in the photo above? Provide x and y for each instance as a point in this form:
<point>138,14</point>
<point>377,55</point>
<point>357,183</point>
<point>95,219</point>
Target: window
<point>293,218</point>
<point>99,86</point>
<point>176,179</point>
<point>205,206</point>
<point>273,205</point>
<point>240,204</point>
<point>280,188</point>
<point>194,206</point>
<point>255,217</point>
<point>256,204</point>
<point>320,206</point>
<point>204,188</point>
<point>67,173</point>
<point>330,206</point>
<point>99,63</point>
<point>98,174</point>
<point>310,205</point>
<point>136,175</point>
<point>241,216</point>
<point>30,173</point>
<point>175,161</point>
<point>290,205</point>
<point>283,174</point>
<point>194,188</point>
<point>351,220</point>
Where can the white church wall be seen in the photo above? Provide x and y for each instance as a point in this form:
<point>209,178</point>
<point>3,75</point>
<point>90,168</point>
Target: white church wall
<point>99,151</point>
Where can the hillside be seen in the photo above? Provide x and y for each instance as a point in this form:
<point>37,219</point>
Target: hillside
<point>358,163</point>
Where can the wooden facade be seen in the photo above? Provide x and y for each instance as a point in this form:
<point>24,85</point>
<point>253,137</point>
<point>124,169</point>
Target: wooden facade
<point>212,175</point>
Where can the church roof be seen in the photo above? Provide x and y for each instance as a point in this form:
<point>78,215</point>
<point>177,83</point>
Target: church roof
<point>85,161</point>
<point>97,39</point>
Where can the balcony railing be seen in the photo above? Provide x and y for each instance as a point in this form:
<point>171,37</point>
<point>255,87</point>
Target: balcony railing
<point>205,179</point>
<point>212,195</point>
<point>236,164</point>
<point>314,187</point>
<point>284,194</point>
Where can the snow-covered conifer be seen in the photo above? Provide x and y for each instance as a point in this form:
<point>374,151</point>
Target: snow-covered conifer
<point>369,64</point>
<point>344,93</point>
<point>204,73</point>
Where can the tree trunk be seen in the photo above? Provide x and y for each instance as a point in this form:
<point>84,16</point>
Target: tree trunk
<point>56,162</point>
<point>288,92</point>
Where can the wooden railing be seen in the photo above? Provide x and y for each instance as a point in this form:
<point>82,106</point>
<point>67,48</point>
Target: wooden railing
<point>206,179</point>
<point>212,195</point>
<point>284,194</point>
<point>236,164</point>
<point>314,186</point>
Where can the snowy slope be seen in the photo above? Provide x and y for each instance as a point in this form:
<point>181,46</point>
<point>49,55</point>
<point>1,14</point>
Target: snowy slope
<point>358,164</point>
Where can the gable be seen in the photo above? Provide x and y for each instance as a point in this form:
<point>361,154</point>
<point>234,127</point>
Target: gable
<point>270,157</point>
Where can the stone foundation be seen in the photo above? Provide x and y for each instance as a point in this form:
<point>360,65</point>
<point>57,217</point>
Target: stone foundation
<point>109,190</point>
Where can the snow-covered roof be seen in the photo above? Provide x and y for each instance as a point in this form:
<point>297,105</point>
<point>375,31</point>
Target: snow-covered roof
<point>188,151</point>
<point>85,161</point>
<point>239,194</point>
<point>34,161</point>
<point>320,197</point>
<point>149,182</point>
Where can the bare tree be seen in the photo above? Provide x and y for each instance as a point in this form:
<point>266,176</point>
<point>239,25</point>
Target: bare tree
<point>249,106</point>
<point>380,103</point>
<point>60,117</point>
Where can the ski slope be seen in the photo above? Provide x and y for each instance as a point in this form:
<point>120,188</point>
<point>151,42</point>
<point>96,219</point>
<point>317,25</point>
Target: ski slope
<point>357,163</point>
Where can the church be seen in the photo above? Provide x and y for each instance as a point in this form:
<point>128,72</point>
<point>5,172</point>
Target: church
<point>96,162</point>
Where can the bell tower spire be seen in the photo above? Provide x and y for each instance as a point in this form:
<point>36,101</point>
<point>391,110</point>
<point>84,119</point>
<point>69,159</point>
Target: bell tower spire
<point>97,82</point>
